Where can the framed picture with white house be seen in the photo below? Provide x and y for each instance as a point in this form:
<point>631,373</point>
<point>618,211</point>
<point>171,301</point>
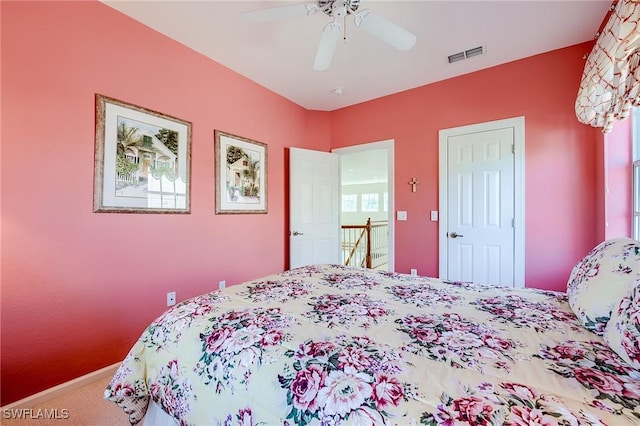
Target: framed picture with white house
<point>241,174</point>
<point>142,160</point>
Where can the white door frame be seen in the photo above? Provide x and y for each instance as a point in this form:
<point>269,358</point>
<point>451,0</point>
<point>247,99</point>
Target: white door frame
<point>517,123</point>
<point>389,146</point>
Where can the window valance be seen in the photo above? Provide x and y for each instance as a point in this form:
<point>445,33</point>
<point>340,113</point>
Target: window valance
<point>610,83</point>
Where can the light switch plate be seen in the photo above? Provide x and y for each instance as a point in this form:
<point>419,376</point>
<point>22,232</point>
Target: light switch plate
<point>401,215</point>
<point>434,215</point>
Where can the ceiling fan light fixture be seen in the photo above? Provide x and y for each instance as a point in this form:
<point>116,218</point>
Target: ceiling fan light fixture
<point>338,9</point>
<point>366,20</point>
<point>345,7</point>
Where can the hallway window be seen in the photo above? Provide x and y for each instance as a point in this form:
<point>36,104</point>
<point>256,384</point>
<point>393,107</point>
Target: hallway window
<point>370,202</point>
<point>349,202</point>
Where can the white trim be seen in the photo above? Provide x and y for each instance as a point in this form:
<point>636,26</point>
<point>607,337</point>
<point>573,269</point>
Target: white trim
<point>605,183</point>
<point>389,145</point>
<point>63,388</point>
<point>518,125</point>
<point>635,173</point>
<point>635,133</point>
<point>635,200</point>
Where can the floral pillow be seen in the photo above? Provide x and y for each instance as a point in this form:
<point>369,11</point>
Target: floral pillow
<point>622,333</point>
<point>601,279</point>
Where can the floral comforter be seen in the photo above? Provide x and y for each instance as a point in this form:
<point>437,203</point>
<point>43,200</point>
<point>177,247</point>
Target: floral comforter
<point>332,345</point>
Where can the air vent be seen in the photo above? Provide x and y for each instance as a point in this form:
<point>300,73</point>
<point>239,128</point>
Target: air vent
<point>465,55</point>
<point>456,57</point>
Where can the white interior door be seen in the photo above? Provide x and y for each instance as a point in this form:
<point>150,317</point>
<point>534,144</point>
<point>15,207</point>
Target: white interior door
<point>478,230</point>
<point>314,215</point>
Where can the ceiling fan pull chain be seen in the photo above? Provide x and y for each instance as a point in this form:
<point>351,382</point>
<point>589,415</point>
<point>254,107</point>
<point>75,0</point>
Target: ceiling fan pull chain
<point>344,33</point>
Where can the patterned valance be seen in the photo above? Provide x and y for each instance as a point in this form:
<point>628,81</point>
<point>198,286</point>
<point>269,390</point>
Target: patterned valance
<point>610,83</point>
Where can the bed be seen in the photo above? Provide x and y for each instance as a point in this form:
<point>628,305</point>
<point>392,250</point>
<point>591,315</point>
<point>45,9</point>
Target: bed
<point>329,345</point>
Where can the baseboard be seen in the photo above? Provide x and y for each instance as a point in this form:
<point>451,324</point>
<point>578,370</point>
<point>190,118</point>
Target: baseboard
<point>63,388</point>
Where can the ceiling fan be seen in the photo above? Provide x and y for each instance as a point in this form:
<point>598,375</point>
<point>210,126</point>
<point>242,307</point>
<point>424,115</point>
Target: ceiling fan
<point>365,19</point>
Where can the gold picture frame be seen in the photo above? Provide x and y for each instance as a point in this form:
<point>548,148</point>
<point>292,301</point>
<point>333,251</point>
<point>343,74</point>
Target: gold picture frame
<point>241,174</point>
<point>142,160</point>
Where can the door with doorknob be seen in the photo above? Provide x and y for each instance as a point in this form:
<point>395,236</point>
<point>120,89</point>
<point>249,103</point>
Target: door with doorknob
<point>480,210</point>
<point>314,188</point>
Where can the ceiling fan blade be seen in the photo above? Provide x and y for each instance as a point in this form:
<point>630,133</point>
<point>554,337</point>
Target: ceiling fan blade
<point>327,46</point>
<point>385,30</point>
<point>279,13</point>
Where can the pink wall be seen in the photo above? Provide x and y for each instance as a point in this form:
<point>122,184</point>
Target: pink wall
<point>561,169</point>
<point>78,287</point>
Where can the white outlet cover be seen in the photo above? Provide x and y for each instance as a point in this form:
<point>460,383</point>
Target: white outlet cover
<point>171,298</point>
<point>401,215</point>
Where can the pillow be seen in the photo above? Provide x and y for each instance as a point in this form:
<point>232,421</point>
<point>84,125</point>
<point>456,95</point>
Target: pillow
<point>601,279</point>
<point>622,333</point>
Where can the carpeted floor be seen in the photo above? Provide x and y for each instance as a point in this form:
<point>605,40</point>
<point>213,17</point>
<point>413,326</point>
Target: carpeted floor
<point>85,406</point>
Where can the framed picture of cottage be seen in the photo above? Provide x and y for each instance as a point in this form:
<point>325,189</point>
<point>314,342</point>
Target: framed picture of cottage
<point>142,160</point>
<point>241,174</point>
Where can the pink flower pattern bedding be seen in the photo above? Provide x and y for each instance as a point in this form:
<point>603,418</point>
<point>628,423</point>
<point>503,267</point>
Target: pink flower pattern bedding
<point>331,345</point>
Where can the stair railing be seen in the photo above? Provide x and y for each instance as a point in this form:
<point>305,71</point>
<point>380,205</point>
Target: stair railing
<point>366,245</point>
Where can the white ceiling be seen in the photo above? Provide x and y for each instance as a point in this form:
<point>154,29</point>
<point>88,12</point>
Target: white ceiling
<point>279,55</point>
<point>364,167</point>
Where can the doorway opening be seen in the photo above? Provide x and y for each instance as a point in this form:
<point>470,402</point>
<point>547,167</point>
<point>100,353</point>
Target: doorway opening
<point>366,194</point>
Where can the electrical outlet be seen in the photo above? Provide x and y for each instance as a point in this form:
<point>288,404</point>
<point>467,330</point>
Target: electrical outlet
<point>414,272</point>
<point>171,298</point>
<point>222,284</point>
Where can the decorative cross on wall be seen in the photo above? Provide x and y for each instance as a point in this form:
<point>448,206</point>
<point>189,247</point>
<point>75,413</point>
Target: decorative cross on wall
<point>413,182</point>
